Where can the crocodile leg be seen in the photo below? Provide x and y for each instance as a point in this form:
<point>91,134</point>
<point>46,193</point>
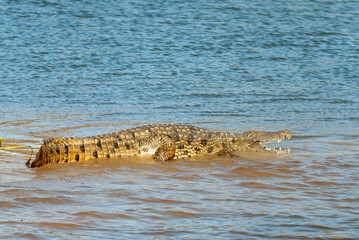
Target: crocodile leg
<point>160,146</point>
<point>165,152</point>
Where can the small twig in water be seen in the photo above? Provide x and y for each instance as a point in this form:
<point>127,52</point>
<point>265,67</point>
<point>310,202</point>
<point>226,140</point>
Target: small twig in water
<point>9,147</point>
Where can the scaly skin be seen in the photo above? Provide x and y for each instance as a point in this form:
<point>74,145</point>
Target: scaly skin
<point>162,142</point>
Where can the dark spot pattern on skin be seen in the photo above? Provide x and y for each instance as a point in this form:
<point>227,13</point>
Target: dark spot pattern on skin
<point>108,155</point>
<point>127,146</point>
<point>77,157</point>
<point>185,152</point>
<point>132,135</point>
<point>210,150</point>
<point>176,137</point>
<point>57,149</point>
<point>115,145</point>
<point>181,146</point>
<point>113,151</point>
<point>197,149</point>
<point>66,149</point>
<point>82,148</point>
<point>95,154</point>
<point>190,137</point>
<point>204,142</point>
<point>99,145</point>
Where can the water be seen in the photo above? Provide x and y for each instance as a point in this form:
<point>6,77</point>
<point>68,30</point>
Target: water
<point>79,68</point>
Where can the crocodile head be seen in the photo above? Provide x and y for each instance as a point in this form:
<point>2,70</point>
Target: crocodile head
<point>252,141</point>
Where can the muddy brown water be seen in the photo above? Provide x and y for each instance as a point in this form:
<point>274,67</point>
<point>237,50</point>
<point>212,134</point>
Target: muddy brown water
<point>307,194</point>
<point>80,68</point>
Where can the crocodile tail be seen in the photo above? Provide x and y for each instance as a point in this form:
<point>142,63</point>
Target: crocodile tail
<point>42,156</point>
<point>39,161</point>
<point>57,151</point>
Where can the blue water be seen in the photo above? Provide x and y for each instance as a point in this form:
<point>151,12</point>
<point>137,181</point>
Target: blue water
<point>79,68</point>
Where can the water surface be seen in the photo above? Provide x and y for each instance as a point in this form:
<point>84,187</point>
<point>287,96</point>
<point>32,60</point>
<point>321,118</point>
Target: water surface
<point>79,68</point>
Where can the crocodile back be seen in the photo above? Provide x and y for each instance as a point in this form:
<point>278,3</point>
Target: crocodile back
<point>188,141</point>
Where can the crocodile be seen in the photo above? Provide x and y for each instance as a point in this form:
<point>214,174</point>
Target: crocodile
<point>163,142</point>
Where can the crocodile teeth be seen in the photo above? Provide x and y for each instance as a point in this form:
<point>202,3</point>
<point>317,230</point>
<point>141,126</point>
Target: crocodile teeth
<point>283,151</point>
<point>279,150</point>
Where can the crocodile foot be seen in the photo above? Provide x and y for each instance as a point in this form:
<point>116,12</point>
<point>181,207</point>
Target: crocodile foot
<point>160,146</point>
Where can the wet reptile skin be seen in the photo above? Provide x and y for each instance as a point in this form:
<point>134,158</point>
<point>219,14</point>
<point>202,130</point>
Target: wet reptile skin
<point>162,142</point>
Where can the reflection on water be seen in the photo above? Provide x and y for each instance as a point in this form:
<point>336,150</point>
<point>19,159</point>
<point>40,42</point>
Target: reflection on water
<point>80,68</point>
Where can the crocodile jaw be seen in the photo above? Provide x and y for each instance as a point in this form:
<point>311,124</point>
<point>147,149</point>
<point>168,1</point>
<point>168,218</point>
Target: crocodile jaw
<point>278,137</point>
